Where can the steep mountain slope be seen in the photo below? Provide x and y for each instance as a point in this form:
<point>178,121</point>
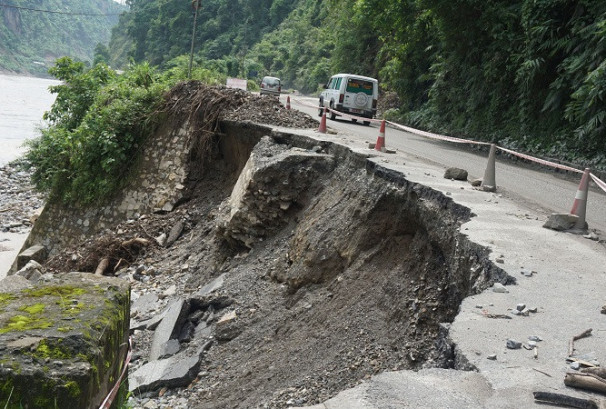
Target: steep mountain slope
<point>34,33</point>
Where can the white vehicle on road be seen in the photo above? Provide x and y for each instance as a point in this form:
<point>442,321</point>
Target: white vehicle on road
<point>352,94</point>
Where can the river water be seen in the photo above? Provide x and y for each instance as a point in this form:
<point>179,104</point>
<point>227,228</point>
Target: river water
<point>23,101</point>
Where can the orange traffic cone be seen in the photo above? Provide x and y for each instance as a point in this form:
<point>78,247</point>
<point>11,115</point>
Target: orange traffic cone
<point>322,128</point>
<point>579,207</point>
<point>288,102</point>
<point>380,145</point>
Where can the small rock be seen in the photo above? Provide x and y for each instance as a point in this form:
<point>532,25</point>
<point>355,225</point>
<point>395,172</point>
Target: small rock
<point>170,291</point>
<point>535,338</point>
<point>513,344</point>
<point>592,236</point>
<point>532,344</point>
<point>520,307</point>
<point>455,174</point>
<point>499,288</point>
<point>533,310</point>
<point>561,221</point>
<point>500,261</point>
<point>151,404</point>
<point>161,239</point>
<point>575,365</point>
<point>479,306</point>
<point>527,273</point>
<point>492,357</point>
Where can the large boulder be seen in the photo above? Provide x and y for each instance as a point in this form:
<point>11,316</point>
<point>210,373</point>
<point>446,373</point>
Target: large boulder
<point>63,342</point>
<point>272,187</point>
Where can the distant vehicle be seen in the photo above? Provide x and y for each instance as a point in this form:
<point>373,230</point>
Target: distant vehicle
<point>351,94</point>
<point>271,86</point>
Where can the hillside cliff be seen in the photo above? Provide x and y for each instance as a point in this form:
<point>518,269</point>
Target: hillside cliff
<point>34,34</point>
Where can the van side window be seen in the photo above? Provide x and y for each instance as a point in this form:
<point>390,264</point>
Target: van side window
<point>338,83</point>
<point>331,83</point>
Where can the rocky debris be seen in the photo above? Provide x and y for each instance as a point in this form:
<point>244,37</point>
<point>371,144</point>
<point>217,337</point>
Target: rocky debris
<point>34,253</point>
<point>528,273</point>
<point>268,110</point>
<point>561,221</point>
<point>173,235</point>
<point>177,371</point>
<point>170,325</point>
<point>455,174</point>
<point>19,203</point>
<point>535,338</point>
<point>499,288</point>
<point>513,344</point>
<point>31,271</point>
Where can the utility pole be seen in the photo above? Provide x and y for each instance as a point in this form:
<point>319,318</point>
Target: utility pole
<point>196,4</point>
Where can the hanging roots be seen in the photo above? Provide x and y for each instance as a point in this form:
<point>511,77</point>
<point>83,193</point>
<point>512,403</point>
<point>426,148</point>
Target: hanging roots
<point>201,106</point>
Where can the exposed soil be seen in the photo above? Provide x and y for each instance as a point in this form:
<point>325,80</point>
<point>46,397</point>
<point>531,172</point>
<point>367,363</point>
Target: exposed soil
<point>355,279</point>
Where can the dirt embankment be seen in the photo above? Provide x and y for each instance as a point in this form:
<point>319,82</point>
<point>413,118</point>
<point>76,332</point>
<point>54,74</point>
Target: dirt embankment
<point>335,270</point>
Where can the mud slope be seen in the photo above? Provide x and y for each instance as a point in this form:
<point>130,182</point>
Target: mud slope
<point>335,269</point>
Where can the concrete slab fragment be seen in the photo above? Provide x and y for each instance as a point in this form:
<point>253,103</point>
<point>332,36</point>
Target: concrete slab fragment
<point>177,371</point>
<point>172,320</point>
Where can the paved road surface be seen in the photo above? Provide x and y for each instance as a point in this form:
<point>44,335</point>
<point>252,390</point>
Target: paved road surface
<point>541,190</point>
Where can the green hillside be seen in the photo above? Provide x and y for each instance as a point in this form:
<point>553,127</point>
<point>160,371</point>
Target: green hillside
<point>33,34</point>
<point>527,74</point>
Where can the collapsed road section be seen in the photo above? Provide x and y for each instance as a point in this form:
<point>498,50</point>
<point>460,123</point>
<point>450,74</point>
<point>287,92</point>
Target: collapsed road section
<point>270,268</point>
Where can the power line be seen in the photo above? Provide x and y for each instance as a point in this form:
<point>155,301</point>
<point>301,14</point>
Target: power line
<point>57,12</point>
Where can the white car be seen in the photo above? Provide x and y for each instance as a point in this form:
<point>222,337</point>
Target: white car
<point>352,94</point>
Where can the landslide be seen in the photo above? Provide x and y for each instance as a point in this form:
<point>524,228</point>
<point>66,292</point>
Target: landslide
<point>354,278</point>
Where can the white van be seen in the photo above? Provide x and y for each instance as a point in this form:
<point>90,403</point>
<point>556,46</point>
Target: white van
<point>353,94</point>
<point>271,86</point>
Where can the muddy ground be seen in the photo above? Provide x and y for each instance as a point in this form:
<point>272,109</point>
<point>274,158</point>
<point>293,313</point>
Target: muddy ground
<point>354,279</point>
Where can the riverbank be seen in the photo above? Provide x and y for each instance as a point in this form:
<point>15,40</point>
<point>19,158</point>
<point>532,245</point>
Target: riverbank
<point>19,206</point>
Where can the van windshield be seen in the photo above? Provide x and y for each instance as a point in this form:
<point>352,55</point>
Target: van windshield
<point>357,85</point>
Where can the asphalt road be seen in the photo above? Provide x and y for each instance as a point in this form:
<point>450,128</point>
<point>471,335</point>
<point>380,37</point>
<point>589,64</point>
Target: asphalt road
<point>535,188</point>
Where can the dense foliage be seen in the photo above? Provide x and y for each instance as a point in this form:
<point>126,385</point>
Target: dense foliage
<point>526,73</point>
<point>35,33</point>
<point>529,74</point>
<point>97,124</point>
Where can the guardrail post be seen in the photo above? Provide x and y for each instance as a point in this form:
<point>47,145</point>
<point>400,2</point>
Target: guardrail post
<point>488,182</point>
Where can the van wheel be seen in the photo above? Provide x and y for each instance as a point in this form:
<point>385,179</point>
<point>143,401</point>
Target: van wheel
<point>366,123</point>
<point>321,108</point>
<point>333,116</point>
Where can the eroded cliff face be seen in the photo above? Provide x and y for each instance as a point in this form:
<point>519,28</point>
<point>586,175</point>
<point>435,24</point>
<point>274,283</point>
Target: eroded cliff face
<point>12,19</point>
<point>332,268</point>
